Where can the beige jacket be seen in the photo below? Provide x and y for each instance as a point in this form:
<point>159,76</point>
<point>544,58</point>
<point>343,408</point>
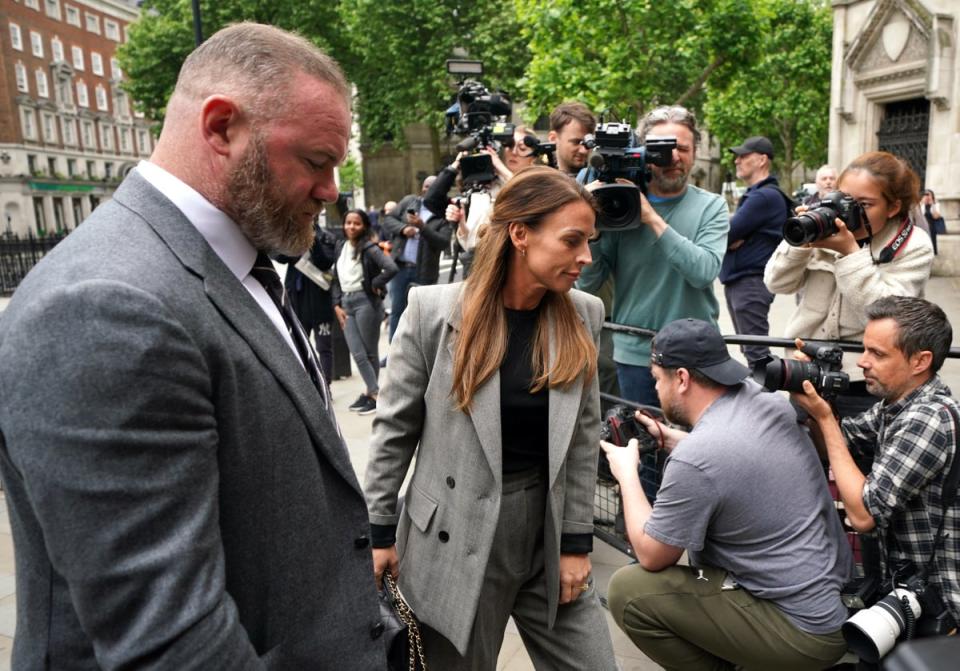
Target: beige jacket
<point>837,289</point>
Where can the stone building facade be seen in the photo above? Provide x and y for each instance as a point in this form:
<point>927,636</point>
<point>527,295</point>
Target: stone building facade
<point>67,130</point>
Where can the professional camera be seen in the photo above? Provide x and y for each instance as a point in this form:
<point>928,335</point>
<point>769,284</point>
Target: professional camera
<point>618,427</point>
<point>824,371</point>
<point>913,607</point>
<point>819,221</point>
<point>616,156</point>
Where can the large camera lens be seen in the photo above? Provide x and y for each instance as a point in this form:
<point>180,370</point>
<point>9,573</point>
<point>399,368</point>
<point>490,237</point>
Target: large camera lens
<point>619,207</point>
<point>786,374</point>
<point>812,225</point>
<point>871,633</point>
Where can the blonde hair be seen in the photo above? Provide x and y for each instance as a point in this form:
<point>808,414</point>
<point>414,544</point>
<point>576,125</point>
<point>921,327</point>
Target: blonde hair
<point>528,198</point>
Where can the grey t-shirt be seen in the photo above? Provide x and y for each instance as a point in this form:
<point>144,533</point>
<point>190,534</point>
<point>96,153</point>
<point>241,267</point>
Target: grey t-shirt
<point>745,492</point>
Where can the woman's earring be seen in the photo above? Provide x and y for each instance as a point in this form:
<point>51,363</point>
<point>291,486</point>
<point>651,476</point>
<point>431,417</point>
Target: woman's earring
<point>523,251</point>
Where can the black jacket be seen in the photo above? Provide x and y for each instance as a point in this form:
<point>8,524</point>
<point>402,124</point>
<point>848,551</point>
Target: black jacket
<point>435,234</point>
<point>311,303</point>
<point>378,269</point>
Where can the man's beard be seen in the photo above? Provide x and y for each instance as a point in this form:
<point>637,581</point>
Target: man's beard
<point>261,210</point>
<point>674,414</point>
<point>669,185</point>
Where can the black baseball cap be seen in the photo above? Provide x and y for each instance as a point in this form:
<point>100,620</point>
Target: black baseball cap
<point>754,145</point>
<point>697,345</point>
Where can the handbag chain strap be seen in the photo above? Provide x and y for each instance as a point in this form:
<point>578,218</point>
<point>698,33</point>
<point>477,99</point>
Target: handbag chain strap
<point>408,618</point>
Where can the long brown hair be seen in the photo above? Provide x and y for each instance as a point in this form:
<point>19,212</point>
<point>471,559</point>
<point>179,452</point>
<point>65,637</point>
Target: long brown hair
<point>528,198</point>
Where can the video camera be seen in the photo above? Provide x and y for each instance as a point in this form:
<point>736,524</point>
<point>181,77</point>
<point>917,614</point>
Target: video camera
<point>819,222</point>
<point>615,155</point>
<point>824,371</point>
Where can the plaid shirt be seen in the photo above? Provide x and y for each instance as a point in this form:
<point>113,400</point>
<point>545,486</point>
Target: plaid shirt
<point>914,443</point>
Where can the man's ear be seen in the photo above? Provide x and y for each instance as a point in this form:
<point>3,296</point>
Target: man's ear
<point>220,119</point>
<point>552,136</point>
<point>683,376</point>
<point>921,362</point>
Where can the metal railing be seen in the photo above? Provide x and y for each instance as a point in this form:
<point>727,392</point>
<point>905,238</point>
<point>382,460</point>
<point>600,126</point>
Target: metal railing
<point>18,255</point>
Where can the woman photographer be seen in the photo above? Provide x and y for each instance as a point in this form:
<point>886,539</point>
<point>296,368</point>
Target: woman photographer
<point>840,275</point>
<point>359,284</point>
<point>493,384</point>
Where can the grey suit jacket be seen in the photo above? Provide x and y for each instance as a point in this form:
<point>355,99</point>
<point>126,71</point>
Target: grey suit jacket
<point>179,498</point>
<point>452,504</point>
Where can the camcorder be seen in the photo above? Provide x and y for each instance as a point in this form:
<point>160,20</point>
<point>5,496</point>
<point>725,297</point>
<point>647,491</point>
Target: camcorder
<point>824,371</point>
<point>819,222</point>
<point>616,156</point>
<point>912,607</point>
<point>619,426</point>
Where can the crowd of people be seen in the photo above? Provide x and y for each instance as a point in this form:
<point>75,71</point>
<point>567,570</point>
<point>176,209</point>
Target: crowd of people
<point>191,503</point>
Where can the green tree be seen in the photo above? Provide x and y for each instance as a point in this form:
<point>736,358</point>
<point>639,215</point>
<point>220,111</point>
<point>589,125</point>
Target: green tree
<point>351,176</point>
<point>785,93</point>
<point>630,55</point>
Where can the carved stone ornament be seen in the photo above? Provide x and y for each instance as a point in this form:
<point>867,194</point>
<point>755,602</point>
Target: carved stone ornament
<point>895,36</point>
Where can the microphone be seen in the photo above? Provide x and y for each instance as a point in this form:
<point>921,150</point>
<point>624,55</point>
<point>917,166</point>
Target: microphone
<point>596,161</point>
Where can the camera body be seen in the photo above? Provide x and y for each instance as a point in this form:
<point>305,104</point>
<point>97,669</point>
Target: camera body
<point>618,427</point>
<point>615,156</point>
<point>819,222</point>
<point>824,371</point>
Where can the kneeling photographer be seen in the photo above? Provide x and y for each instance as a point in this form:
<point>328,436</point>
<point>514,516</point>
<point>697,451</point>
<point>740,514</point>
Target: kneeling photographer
<point>909,495</point>
<point>745,495</point>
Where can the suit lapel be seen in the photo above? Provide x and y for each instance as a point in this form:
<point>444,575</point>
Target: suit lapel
<point>239,308</point>
<point>564,412</point>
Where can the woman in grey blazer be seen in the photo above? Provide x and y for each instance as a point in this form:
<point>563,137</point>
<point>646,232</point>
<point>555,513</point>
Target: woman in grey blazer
<point>493,384</point>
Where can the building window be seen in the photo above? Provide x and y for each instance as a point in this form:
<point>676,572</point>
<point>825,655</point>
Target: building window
<point>29,124</point>
<point>21,71</point>
<point>101,94</point>
<point>64,90</point>
<point>106,141</point>
<point>16,39</point>
<point>69,132</point>
<point>88,141</point>
<point>124,139</point>
<point>32,4</point>
<point>107,170</point>
<point>53,9</point>
<point>82,98</point>
<point>39,215</point>
<point>93,23</point>
<point>121,106</point>
<point>49,128</point>
<point>52,165</point>
<point>58,214</point>
<point>143,142</point>
<point>32,163</point>
<point>91,170</point>
<point>77,203</point>
<point>77,57</point>
<point>115,71</point>
<point>73,16</point>
<point>56,48</point>
<point>71,167</point>
<point>111,29</point>
<point>42,89</point>
<point>36,44</point>
<point>96,63</point>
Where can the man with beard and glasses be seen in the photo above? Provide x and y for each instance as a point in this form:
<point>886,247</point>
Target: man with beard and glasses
<point>179,491</point>
<point>665,269</point>
<point>744,493</point>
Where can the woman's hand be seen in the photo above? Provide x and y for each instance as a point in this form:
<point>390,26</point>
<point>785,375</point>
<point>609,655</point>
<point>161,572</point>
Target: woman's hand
<point>341,316</point>
<point>574,576</point>
<point>385,559</point>
<point>842,242</point>
<point>666,436</point>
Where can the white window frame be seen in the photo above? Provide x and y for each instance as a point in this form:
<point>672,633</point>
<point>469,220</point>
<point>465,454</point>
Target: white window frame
<point>49,123</point>
<point>111,30</point>
<point>56,49</point>
<point>100,93</point>
<point>32,4</point>
<point>16,37</point>
<point>52,9</point>
<point>106,137</point>
<point>96,63</point>
<point>92,23</point>
<point>115,71</point>
<point>88,134</point>
<point>83,95</point>
<point>23,80</point>
<point>28,123</point>
<point>36,44</point>
<point>75,13</point>
<point>143,141</point>
<point>76,54</point>
<point>69,131</point>
<point>43,88</point>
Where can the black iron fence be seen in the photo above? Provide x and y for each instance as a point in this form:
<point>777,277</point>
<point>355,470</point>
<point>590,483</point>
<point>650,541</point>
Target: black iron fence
<point>18,255</point>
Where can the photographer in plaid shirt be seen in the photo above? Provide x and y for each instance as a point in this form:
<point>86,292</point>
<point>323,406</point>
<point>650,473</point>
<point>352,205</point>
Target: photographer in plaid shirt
<point>912,435</point>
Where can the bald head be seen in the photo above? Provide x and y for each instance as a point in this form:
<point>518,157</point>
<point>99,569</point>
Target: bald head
<point>826,180</point>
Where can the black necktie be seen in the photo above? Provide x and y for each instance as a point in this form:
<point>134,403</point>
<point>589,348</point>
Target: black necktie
<point>266,274</point>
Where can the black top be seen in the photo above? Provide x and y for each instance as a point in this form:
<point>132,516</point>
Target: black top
<point>524,417</point>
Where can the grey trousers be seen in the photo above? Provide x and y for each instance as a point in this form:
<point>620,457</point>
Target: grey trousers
<point>363,336</point>
<point>748,301</point>
<point>514,584</point>
<point>683,620</point>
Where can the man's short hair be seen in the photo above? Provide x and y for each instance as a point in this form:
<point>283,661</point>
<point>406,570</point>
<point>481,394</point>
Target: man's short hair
<point>255,62</point>
<point>564,113</point>
<point>921,326</point>
<point>699,378</point>
<point>670,114</point>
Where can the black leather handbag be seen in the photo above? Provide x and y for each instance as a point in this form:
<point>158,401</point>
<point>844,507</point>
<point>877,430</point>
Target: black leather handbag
<point>401,631</point>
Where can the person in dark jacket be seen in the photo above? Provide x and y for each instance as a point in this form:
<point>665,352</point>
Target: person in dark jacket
<point>360,277</point>
<point>311,301</point>
<point>755,231</point>
<point>419,234</point>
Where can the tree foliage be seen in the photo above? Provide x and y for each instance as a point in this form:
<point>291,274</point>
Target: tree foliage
<point>630,55</point>
<point>785,93</point>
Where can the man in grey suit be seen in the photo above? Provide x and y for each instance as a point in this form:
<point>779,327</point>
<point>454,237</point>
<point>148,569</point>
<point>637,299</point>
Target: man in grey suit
<point>179,492</point>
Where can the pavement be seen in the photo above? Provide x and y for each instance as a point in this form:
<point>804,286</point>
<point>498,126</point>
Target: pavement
<point>944,291</point>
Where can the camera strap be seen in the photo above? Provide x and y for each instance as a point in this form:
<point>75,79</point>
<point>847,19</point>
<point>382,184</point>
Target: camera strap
<point>890,251</point>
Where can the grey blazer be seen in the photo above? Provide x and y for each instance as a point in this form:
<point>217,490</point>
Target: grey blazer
<point>179,498</point>
<point>452,504</point>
